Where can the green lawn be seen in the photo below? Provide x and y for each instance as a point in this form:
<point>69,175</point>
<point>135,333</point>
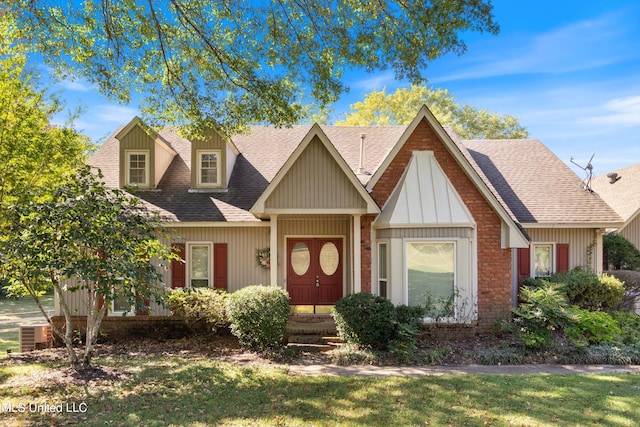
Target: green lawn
<point>13,313</point>
<point>198,391</point>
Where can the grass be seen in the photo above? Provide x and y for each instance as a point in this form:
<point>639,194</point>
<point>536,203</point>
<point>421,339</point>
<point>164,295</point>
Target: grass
<point>15,312</point>
<point>197,391</point>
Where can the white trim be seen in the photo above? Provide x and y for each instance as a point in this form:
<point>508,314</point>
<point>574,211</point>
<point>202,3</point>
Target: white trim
<point>555,225</point>
<point>273,250</point>
<point>216,224</point>
<point>377,263</point>
<point>199,183</point>
<point>357,255</point>
<point>313,211</point>
<point>188,247</point>
<point>147,170</point>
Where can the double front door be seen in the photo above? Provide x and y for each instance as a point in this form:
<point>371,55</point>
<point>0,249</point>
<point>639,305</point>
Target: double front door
<point>314,270</point>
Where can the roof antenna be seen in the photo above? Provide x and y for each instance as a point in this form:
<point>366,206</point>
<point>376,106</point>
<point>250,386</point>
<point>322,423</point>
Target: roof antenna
<point>586,182</point>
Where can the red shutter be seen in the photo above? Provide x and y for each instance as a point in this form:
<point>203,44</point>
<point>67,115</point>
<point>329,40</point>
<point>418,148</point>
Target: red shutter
<point>143,309</point>
<point>178,267</point>
<point>562,257</point>
<point>220,266</point>
<point>524,263</point>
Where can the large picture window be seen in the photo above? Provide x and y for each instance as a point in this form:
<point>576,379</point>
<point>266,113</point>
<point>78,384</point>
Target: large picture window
<point>431,276</point>
<point>200,265</point>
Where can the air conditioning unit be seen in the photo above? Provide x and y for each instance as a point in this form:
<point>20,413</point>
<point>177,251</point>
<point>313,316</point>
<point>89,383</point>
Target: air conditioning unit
<point>35,337</point>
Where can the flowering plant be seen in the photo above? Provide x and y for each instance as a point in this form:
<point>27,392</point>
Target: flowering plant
<point>263,258</point>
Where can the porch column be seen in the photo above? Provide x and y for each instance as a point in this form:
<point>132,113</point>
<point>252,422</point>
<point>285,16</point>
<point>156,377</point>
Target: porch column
<point>599,252</point>
<point>273,249</point>
<point>357,257</point>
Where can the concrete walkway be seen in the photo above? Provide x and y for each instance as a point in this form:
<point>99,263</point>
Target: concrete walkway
<point>387,371</point>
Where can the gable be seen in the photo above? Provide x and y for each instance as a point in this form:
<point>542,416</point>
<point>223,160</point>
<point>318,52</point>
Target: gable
<point>315,179</point>
<point>424,196</point>
<point>425,133</point>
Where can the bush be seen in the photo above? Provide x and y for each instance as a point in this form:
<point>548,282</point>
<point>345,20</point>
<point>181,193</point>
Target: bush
<point>201,308</point>
<point>591,327</point>
<point>629,324</point>
<point>365,320</point>
<point>498,356</point>
<point>259,316</point>
<point>620,252</point>
<point>589,291</point>
<point>542,311</point>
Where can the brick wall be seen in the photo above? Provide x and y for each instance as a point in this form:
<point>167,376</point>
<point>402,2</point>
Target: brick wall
<point>494,263</point>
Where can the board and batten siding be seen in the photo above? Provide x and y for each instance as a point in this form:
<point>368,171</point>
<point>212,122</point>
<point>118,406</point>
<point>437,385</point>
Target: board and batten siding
<point>580,241</point>
<point>243,269</point>
<point>315,181</point>
<point>136,139</point>
<point>632,231</point>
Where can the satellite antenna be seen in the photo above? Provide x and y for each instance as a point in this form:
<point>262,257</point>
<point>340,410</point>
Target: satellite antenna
<point>586,182</point>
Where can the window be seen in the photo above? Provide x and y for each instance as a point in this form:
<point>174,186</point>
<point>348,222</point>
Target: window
<point>120,306</point>
<point>382,270</point>
<point>542,260</point>
<point>431,277</point>
<point>200,265</point>
<point>208,168</point>
<point>137,168</point>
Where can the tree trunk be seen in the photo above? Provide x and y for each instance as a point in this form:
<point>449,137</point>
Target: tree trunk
<point>94,320</point>
<point>67,335</point>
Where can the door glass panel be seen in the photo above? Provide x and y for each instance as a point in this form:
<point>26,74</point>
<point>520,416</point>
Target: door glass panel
<point>329,258</point>
<point>300,258</point>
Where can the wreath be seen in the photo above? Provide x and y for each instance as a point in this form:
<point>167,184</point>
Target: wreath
<point>263,258</point>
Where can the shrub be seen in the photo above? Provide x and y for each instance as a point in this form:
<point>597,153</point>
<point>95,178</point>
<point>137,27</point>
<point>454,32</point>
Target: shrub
<point>498,356</point>
<point>365,320</point>
<point>542,311</point>
<point>589,291</point>
<point>403,346</point>
<point>620,252</point>
<point>201,308</point>
<point>591,327</point>
<point>629,324</point>
<point>259,316</point>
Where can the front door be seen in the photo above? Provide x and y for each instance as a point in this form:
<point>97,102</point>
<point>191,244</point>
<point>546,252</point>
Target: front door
<point>314,270</point>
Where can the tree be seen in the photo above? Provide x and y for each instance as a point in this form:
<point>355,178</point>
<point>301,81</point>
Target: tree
<point>34,153</point>
<point>85,238</point>
<point>399,108</point>
<point>225,64</point>
<point>620,253</point>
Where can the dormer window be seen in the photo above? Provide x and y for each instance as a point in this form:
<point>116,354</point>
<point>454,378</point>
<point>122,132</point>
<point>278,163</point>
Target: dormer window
<point>137,168</point>
<point>209,168</point>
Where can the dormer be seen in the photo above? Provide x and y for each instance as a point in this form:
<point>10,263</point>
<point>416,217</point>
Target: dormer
<point>212,160</point>
<point>144,156</point>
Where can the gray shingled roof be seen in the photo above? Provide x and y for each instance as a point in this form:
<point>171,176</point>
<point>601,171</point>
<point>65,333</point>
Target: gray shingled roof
<point>528,179</point>
<point>536,185</point>
<point>624,195</point>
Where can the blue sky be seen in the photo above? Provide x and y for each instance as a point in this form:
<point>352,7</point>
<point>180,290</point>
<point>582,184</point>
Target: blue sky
<point>570,70</point>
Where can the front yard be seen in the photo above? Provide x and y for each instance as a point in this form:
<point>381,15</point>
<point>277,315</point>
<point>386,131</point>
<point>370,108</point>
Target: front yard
<point>176,383</point>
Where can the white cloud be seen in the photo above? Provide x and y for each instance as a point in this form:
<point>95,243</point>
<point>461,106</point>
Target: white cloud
<point>376,82</point>
<point>624,111</point>
<point>577,46</point>
<point>76,85</point>
<point>112,113</point>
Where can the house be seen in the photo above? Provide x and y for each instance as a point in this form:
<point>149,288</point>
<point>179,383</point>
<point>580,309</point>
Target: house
<point>406,212</point>
<point>621,190</point>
